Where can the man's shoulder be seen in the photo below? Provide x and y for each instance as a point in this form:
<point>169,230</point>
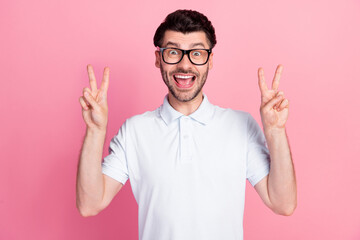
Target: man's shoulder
<point>144,118</point>
<point>230,113</point>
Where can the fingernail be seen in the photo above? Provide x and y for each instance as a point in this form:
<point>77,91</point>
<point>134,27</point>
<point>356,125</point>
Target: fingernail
<point>86,94</point>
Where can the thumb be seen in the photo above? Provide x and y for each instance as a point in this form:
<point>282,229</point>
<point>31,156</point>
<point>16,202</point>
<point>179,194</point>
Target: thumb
<point>273,102</point>
<point>91,101</point>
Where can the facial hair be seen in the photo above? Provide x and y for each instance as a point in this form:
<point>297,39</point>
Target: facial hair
<point>172,90</point>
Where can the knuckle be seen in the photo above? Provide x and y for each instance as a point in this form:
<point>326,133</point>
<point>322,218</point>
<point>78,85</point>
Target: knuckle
<point>86,89</point>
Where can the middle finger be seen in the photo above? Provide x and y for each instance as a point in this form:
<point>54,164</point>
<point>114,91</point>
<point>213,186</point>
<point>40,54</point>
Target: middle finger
<point>276,80</point>
<point>92,79</point>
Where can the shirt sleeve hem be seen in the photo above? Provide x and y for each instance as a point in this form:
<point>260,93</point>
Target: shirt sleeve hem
<point>122,178</point>
<point>254,180</point>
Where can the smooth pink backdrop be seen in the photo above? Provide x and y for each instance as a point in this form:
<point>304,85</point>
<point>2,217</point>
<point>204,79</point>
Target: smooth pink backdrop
<point>46,45</point>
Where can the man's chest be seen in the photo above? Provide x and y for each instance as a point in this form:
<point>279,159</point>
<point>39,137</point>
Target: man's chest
<point>200,155</point>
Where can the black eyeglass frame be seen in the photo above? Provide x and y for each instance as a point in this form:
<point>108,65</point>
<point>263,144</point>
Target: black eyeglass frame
<point>185,52</point>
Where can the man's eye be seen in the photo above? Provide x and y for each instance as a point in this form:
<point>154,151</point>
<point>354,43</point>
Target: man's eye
<point>196,54</point>
<point>174,52</point>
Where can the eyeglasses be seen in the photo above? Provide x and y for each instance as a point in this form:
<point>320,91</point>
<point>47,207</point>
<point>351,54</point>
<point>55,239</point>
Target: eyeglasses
<point>175,55</point>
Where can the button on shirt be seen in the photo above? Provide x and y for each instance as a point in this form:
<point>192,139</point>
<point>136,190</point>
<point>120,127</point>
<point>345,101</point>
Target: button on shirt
<point>188,173</point>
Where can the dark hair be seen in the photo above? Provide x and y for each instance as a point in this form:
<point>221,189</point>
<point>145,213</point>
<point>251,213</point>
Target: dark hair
<point>185,21</point>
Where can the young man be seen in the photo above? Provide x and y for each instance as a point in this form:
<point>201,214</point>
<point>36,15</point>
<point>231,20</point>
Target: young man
<point>188,160</point>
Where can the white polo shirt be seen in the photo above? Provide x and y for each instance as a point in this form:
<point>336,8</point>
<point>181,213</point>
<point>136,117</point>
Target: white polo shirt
<point>188,173</point>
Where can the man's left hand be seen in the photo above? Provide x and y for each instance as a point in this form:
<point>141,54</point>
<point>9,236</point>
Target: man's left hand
<point>274,108</point>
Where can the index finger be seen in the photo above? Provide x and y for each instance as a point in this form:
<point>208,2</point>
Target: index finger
<point>105,81</point>
<point>262,83</point>
<point>276,80</point>
<point>92,79</point>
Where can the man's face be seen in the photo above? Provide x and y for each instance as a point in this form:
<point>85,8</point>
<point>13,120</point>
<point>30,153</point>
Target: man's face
<point>184,79</point>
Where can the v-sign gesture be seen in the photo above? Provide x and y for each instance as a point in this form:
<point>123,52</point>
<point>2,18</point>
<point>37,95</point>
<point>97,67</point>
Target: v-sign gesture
<point>274,108</point>
<point>278,189</point>
<point>94,101</point>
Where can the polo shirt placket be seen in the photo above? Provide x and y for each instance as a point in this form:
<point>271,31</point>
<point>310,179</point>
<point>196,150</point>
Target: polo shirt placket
<point>186,138</point>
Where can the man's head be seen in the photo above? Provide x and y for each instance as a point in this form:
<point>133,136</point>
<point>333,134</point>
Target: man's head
<point>185,30</point>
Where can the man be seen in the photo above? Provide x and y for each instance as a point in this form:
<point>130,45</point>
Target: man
<point>188,160</point>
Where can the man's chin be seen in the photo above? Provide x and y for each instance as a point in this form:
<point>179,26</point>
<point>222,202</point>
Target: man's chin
<point>184,100</point>
<point>185,97</point>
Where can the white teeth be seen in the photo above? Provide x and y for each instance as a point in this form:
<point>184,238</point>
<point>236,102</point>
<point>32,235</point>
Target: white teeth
<point>183,77</point>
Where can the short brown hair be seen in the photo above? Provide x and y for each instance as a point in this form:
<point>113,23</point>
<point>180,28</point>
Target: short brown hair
<point>185,21</point>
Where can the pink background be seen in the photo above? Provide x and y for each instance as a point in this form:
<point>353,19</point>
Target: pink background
<point>46,45</point>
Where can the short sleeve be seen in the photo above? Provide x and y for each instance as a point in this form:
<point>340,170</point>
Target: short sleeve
<point>258,158</point>
<point>115,164</point>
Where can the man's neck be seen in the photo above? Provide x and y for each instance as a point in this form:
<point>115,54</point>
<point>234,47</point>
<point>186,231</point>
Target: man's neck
<point>185,108</point>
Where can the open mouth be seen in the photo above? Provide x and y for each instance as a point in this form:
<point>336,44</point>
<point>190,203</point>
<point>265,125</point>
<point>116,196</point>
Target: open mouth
<point>184,80</point>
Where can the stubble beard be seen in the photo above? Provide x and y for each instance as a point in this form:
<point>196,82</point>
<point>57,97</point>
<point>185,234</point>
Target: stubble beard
<point>178,95</point>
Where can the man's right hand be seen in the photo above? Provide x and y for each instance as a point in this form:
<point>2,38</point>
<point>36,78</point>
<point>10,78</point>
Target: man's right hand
<point>94,102</point>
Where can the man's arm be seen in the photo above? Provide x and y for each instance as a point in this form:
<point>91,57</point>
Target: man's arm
<point>94,190</point>
<point>278,189</point>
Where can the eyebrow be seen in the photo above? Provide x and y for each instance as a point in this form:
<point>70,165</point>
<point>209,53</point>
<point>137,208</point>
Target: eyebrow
<point>171,43</point>
<point>191,46</point>
<point>198,44</point>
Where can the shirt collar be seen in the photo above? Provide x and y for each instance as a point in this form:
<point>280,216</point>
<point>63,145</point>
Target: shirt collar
<point>203,114</point>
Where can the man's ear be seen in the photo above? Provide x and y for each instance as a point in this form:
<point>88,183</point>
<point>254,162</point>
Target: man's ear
<point>157,59</point>
<point>211,60</point>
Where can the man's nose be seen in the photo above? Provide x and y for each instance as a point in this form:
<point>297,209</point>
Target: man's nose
<point>185,62</point>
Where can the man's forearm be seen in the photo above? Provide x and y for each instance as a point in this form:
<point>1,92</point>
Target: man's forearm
<point>90,183</point>
<point>282,180</point>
